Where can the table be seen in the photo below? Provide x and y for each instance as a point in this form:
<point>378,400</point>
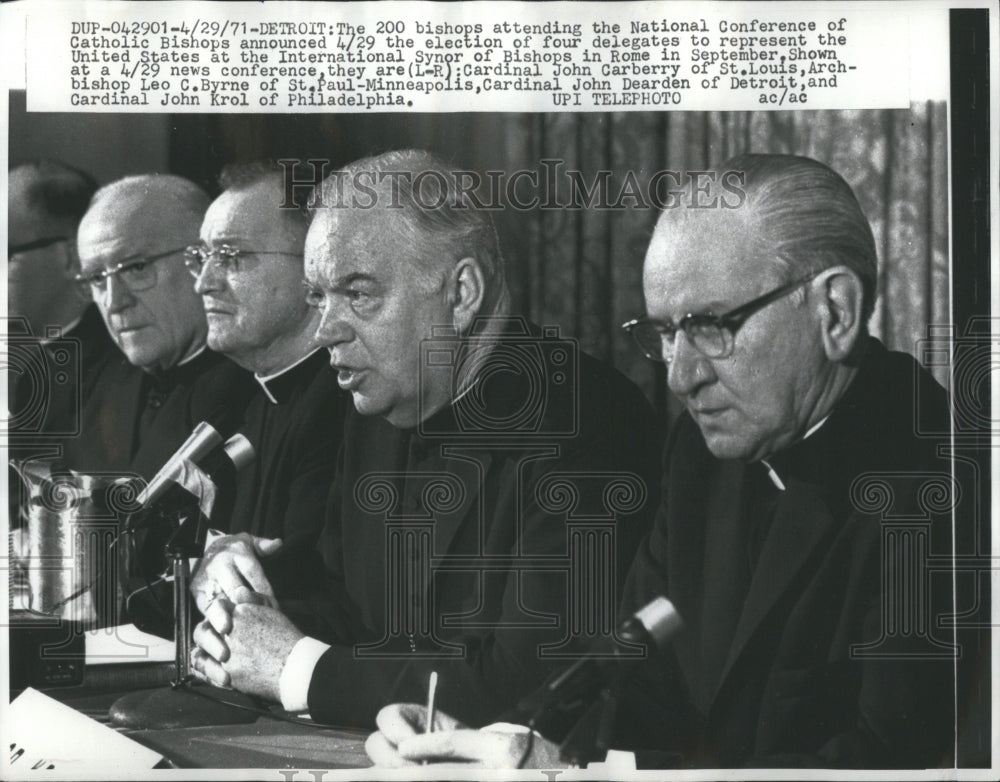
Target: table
<point>265,743</point>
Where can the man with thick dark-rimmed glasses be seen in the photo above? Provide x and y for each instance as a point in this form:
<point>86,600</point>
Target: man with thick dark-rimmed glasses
<point>795,535</point>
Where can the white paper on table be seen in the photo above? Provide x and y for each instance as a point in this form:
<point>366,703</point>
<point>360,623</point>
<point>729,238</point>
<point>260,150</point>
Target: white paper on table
<point>48,735</point>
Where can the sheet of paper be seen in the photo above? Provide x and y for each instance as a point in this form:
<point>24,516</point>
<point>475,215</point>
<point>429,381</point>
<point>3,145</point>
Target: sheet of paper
<point>46,734</point>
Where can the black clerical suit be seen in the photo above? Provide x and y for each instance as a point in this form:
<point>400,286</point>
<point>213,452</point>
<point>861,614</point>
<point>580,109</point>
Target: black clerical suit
<point>134,420</point>
<point>131,423</point>
<point>786,659</point>
<point>463,545</point>
<point>294,423</point>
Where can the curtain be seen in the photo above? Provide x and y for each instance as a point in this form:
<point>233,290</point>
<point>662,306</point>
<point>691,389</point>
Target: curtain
<point>581,269</point>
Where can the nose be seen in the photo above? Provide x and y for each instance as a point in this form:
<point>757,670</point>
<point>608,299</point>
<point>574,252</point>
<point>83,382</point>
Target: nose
<point>209,278</point>
<point>116,295</point>
<point>689,369</point>
<point>332,330</point>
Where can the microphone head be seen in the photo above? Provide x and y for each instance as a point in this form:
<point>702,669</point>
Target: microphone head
<point>660,619</point>
<point>202,440</point>
<point>240,451</point>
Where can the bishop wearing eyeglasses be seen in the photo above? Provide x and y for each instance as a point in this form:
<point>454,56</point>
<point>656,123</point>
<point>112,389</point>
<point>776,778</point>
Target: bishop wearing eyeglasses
<point>142,406</point>
<point>248,270</point>
<point>795,535</point>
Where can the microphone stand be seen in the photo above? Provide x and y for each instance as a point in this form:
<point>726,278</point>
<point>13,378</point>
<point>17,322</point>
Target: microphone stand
<point>179,706</point>
<point>594,690</point>
<point>182,546</point>
<point>590,738</point>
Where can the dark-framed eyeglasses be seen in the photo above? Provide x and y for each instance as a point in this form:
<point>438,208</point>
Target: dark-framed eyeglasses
<point>711,335</point>
<point>227,257</point>
<point>137,273</point>
<point>35,244</point>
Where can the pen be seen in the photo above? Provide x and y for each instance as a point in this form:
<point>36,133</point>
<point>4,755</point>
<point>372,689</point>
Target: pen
<point>431,690</point>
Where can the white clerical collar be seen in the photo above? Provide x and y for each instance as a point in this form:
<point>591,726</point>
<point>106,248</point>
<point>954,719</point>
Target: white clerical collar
<point>467,389</point>
<point>263,380</point>
<point>815,427</point>
<point>454,400</point>
<point>193,356</point>
<point>775,479</point>
<point>772,473</point>
<point>62,331</point>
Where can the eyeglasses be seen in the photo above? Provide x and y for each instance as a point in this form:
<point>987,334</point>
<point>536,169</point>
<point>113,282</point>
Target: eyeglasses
<point>711,335</point>
<point>226,257</point>
<point>37,244</point>
<point>137,273</point>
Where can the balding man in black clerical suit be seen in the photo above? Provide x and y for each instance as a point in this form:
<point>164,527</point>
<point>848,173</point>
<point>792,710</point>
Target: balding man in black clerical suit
<point>806,522</point>
<point>493,482</point>
<point>144,404</point>
<point>144,401</point>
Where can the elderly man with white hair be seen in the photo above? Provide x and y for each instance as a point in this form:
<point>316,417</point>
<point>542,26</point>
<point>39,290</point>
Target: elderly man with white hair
<point>131,245</point>
<point>477,450</point>
<point>802,507</point>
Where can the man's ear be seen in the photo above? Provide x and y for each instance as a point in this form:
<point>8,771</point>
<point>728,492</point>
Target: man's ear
<point>468,287</point>
<point>69,264</point>
<point>840,301</point>
<point>69,260</point>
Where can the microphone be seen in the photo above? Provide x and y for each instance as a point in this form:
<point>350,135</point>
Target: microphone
<point>654,625</point>
<point>235,454</point>
<point>220,464</point>
<point>239,452</point>
<point>202,440</point>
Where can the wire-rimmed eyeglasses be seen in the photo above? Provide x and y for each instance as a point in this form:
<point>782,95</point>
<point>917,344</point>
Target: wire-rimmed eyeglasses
<point>711,335</point>
<point>137,273</point>
<point>227,257</point>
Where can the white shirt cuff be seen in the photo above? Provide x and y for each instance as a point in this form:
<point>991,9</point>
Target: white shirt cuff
<point>293,685</point>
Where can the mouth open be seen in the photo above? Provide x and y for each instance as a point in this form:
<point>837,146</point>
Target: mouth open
<point>349,378</point>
